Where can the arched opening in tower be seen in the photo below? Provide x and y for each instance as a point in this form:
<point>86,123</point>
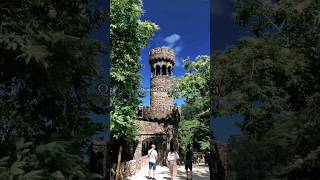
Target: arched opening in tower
<point>164,70</point>
<point>145,147</point>
<point>169,70</point>
<point>157,70</point>
<point>156,140</point>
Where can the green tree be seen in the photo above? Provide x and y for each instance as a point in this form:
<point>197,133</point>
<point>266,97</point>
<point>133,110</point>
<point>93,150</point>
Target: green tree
<point>47,67</point>
<point>128,36</point>
<point>46,161</point>
<point>194,86</point>
<point>254,78</point>
<point>272,81</point>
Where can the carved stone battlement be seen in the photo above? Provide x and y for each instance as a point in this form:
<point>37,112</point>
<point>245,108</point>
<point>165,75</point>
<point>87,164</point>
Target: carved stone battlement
<point>161,54</point>
<point>162,113</point>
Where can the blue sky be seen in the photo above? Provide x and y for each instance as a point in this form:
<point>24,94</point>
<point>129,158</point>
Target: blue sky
<point>184,26</point>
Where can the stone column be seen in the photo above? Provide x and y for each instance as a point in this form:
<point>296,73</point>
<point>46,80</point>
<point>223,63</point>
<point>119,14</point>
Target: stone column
<point>138,154</point>
<point>154,71</point>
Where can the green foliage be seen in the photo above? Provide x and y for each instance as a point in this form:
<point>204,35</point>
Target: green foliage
<point>305,161</point>
<point>194,87</point>
<point>47,66</point>
<point>255,77</point>
<point>128,36</point>
<point>186,131</point>
<point>47,161</point>
<point>272,79</point>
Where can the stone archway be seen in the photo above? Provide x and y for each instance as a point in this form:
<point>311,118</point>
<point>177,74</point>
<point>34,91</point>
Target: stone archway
<point>161,142</point>
<point>158,70</point>
<point>164,70</point>
<point>148,141</point>
<point>169,71</point>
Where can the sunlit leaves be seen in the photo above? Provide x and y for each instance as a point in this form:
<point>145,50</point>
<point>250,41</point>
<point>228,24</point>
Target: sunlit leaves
<point>194,86</point>
<point>129,34</point>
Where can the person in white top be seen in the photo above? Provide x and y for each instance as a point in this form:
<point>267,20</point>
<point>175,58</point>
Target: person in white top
<point>153,156</point>
<point>172,158</point>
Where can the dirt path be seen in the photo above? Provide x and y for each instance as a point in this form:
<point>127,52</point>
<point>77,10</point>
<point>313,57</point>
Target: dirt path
<point>200,172</point>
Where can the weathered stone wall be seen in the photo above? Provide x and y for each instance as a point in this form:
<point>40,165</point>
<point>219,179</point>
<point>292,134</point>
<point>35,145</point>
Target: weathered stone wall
<point>144,161</point>
<point>138,153</point>
<point>128,168</point>
<point>161,53</point>
<point>159,96</point>
<point>147,128</point>
<point>153,131</point>
<point>152,113</point>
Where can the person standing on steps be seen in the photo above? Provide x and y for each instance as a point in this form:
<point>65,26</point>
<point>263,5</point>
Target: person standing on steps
<point>188,162</point>
<point>172,158</point>
<point>153,156</point>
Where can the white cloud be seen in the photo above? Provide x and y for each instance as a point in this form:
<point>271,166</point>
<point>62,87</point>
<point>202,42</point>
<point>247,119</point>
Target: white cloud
<point>177,49</point>
<point>165,47</point>
<point>174,42</point>
<point>172,39</point>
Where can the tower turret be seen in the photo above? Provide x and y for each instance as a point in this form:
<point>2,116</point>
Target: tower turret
<point>162,105</point>
<point>162,63</point>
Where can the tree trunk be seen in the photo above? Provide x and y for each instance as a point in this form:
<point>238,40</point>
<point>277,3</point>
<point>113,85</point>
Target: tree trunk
<point>118,164</point>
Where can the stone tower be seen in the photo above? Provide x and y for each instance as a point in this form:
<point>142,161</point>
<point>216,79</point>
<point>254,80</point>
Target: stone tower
<point>161,62</point>
<point>161,106</point>
<point>158,122</point>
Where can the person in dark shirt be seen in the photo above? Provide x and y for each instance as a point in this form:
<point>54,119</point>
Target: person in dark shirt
<point>188,161</point>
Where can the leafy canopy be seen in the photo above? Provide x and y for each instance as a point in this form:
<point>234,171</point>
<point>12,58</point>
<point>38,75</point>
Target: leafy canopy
<point>47,66</point>
<point>128,36</point>
<point>272,79</point>
<point>194,87</point>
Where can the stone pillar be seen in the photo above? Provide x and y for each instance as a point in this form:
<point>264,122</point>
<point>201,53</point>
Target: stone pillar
<point>138,154</point>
